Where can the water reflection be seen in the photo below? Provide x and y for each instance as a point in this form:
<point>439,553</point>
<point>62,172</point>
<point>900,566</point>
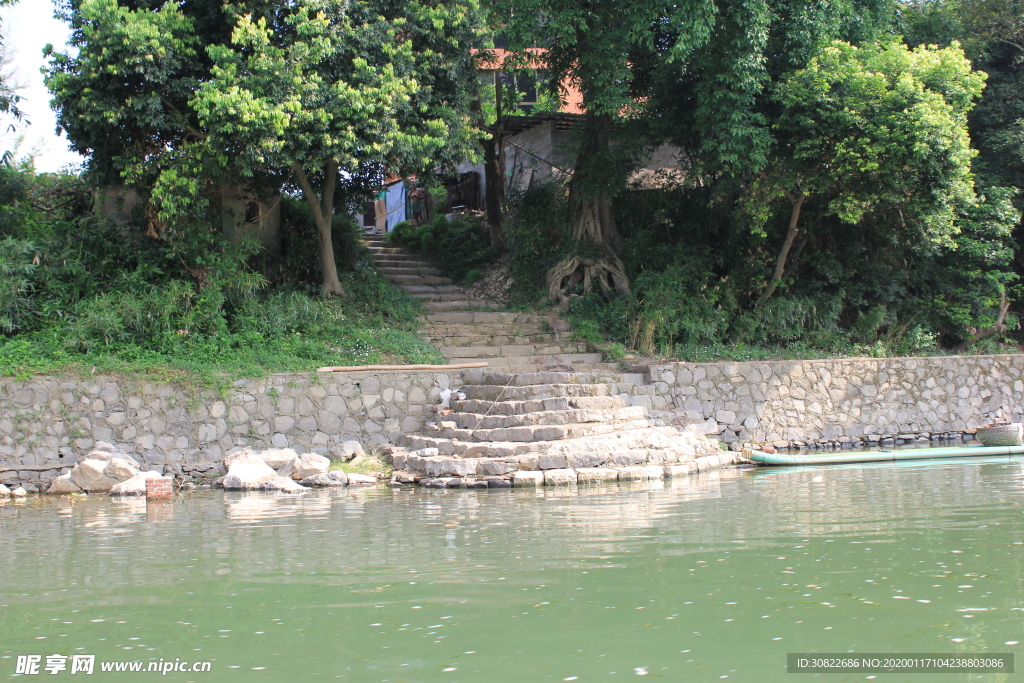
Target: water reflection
<point>692,579</point>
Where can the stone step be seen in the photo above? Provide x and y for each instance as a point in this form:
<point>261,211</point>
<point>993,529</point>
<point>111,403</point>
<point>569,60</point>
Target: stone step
<point>491,340</point>
<point>513,350</point>
<point>436,296</point>
<point>418,279</point>
<point>410,270</point>
<point>374,250</point>
<point>399,263</point>
<point>397,257</point>
<point>475,421</point>
<point>473,317</point>
<point>412,289</point>
<point>490,329</point>
<point>490,392</point>
<point>457,306</point>
<point>483,407</point>
<point>525,379</point>
<point>642,444</point>
<point>559,362</point>
<point>658,464</point>
<point>545,433</point>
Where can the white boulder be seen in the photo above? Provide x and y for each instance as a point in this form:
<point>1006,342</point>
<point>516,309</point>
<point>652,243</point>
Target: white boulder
<point>282,484</point>
<point>89,475</point>
<point>336,478</point>
<point>121,469</point>
<point>283,460</point>
<point>63,484</point>
<point>19,492</point>
<point>351,449</point>
<point>311,464</point>
<point>136,486</point>
<point>241,453</point>
<point>4,492</point>
<point>361,479</point>
<point>105,451</point>
<point>247,471</point>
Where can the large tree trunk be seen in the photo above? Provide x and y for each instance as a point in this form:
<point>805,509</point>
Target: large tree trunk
<point>494,170</point>
<point>796,202</point>
<point>593,221</point>
<point>323,218</point>
<point>494,188</point>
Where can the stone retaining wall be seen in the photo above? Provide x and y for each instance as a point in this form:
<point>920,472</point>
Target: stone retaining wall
<point>813,401</point>
<point>46,423</point>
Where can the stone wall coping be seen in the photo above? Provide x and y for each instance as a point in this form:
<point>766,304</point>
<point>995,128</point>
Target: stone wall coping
<point>858,359</point>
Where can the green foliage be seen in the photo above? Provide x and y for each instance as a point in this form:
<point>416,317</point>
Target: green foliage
<point>180,99</point>
<point>458,246</point>
<point>89,293</point>
<point>878,128</point>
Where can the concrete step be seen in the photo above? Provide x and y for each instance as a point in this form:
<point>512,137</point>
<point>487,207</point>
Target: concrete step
<point>385,250</point>
<point>473,317</point>
<point>410,270</point>
<point>490,392</point>
<point>563,361</point>
<point>474,421</point>
<point>418,279</point>
<point>538,405</point>
<point>513,350</point>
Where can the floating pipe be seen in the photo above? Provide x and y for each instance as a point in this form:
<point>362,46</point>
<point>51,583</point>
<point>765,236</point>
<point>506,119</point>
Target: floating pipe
<point>880,456</point>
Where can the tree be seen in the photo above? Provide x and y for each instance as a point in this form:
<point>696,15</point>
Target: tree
<point>873,130</point>
<point>9,98</point>
<point>588,44</point>
<point>307,92</point>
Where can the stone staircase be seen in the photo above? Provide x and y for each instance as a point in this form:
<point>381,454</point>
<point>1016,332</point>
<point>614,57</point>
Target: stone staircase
<point>420,279</point>
<point>547,410</point>
<point>464,333</point>
<point>548,428</point>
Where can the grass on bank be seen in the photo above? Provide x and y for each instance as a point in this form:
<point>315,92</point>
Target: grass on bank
<point>275,332</point>
<point>84,294</point>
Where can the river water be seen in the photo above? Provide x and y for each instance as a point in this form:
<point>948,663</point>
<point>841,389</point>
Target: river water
<point>708,578</point>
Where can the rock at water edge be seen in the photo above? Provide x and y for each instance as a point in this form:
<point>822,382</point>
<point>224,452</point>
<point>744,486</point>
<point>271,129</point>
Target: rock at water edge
<point>560,477</point>
<point>311,464</point>
<point>247,471</point>
<point>120,469</point>
<point>63,484</point>
<point>592,475</point>
<point>282,484</point>
<point>361,479</point>
<point>136,486</point>
<point>88,475</point>
<point>284,461</point>
<point>527,478</point>
<point>324,480</point>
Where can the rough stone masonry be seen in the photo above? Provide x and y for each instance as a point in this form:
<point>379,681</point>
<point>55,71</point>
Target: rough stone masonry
<point>46,422</point>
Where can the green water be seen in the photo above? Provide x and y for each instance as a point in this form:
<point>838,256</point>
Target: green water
<point>702,579</point>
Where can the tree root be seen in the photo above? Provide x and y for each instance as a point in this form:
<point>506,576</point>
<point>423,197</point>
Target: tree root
<point>608,272</point>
